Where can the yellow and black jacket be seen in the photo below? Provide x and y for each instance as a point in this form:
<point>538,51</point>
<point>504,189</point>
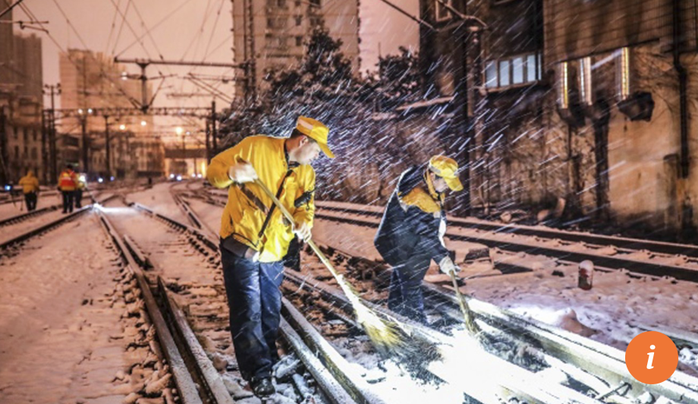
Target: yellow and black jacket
<point>414,221</point>
<point>248,207</point>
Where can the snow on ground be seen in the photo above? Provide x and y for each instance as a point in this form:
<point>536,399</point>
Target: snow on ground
<point>9,210</point>
<point>56,326</point>
<point>160,200</point>
<point>164,245</point>
<point>618,307</point>
<point>11,231</point>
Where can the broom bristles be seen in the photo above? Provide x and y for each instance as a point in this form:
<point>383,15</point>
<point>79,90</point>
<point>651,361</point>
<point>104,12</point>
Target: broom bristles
<point>385,336</point>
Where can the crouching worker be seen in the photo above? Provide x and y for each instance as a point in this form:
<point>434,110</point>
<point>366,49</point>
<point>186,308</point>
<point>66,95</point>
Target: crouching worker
<point>411,232</point>
<point>255,236</point>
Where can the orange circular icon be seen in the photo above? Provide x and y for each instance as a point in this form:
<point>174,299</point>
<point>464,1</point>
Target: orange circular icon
<point>651,357</point>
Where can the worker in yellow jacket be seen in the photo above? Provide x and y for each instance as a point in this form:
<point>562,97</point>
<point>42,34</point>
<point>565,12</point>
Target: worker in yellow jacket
<point>30,187</point>
<point>254,236</point>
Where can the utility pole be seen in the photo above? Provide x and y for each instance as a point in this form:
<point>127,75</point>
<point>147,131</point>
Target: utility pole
<point>144,63</point>
<point>214,133</point>
<point>3,145</point>
<point>251,64</point>
<point>106,136</point>
<point>50,160</point>
<point>85,144</point>
<point>208,141</point>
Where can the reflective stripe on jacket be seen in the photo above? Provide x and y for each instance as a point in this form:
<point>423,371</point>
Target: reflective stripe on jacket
<point>247,207</point>
<point>67,181</point>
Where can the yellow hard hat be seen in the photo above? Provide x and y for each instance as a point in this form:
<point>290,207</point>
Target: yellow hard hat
<point>317,131</point>
<point>446,168</point>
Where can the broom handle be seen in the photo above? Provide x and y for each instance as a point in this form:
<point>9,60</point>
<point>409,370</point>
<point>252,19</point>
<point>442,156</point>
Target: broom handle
<point>289,217</point>
<point>464,308</point>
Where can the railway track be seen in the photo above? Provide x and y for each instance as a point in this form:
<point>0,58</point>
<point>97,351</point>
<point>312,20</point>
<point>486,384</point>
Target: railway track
<point>641,262</point>
<point>44,227</point>
<point>24,216</point>
<point>597,369</point>
<point>301,376</point>
<point>525,386</point>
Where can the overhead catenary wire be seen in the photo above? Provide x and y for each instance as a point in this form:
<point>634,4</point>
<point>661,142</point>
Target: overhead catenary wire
<point>156,25</point>
<point>111,30</point>
<point>121,27</point>
<point>31,15</point>
<point>210,39</point>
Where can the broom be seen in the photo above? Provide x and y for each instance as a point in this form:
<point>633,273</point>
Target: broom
<point>384,335</point>
<point>470,325</point>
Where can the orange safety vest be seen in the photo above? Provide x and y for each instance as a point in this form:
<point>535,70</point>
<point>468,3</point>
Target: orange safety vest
<point>66,181</point>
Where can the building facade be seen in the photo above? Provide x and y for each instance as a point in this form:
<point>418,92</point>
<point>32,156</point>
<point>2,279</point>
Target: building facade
<point>274,38</point>
<point>580,104</point>
<point>21,103</point>
<point>91,83</point>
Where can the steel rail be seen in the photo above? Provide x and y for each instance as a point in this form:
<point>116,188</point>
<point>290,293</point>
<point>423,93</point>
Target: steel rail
<point>25,216</point>
<point>328,379</point>
<point>566,235</point>
<point>186,387</point>
<point>632,265</point>
<point>48,226</point>
<point>528,389</point>
<point>594,357</point>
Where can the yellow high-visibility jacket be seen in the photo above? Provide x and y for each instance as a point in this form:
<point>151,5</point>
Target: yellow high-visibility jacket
<point>248,206</point>
<point>29,183</point>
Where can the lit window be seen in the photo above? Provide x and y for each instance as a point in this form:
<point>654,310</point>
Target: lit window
<point>563,88</point>
<point>514,71</point>
<point>623,60</point>
<point>442,12</point>
<point>531,68</point>
<point>585,80</point>
<point>518,70</point>
<point>504,66</point>
<point>491,75</point>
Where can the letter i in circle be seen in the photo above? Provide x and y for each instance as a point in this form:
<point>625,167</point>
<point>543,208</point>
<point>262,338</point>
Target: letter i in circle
<point>651,357</point>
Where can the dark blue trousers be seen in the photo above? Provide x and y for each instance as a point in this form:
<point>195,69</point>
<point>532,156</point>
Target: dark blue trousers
<point>254,300</point>
<point>406,295</point>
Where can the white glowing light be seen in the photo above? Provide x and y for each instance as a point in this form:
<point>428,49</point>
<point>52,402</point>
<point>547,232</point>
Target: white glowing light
<point>100,180</point>
<point>122,127</point>
<point>143,123</point>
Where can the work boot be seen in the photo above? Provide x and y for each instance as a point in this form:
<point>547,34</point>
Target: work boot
<point>262,387</point>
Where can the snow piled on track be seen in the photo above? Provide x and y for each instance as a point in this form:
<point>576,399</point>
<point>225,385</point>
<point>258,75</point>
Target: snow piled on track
<point>160,200</point>
<point>60,340</point>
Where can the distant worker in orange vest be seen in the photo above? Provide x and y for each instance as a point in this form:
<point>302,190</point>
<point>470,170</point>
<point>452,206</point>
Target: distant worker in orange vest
<point>30,187</point>
<point>67,184</point>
